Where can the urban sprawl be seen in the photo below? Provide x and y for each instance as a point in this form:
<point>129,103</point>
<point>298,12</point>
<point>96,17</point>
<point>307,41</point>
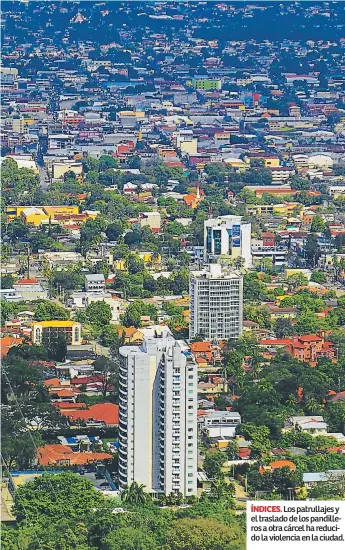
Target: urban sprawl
<point>173,269</point>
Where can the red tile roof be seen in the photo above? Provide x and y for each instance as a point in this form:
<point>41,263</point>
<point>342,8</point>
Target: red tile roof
<point>340,396</point>
<point>53,454</point>
<point>244,453</point>
<point>52,382</point>
<point>6,342</point>
<point>63,392</point>
<point>200,346</point>
<point>278,464</point>
<point>275,342</point>
<point>69,406</point>
<point>101,412</point>
<point>310,338</point>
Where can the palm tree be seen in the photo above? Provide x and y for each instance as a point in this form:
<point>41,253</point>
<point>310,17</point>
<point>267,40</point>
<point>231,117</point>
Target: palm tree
<point>135,494</point>
<point>312,405</point>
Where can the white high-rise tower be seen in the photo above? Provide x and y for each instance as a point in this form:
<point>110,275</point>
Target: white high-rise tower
<point>158,416</point>
<point>216,304</point>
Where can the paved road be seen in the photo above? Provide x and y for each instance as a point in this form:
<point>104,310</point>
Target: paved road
<point>6,504</point>
<point>100,350</point>
<point>240,494</point>
<point>44,179</point>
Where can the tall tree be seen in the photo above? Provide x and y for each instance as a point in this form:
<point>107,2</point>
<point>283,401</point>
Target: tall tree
<point>135,494</point>
<point>55,495</point>
<point>203,534</point>
<point>312,249</point>
<point>108,371</point>
<point>98,314</point>
<point>283,328</point>
<point>18,443</point>
<point>49,311</point>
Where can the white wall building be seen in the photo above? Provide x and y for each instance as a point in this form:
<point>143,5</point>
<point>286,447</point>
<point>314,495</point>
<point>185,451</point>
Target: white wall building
<point>278,255</point>
<point>95,282</point>
<point>10,295</point>
<point>158,416</point>
<point>221,423</point>
<point>228,236</point>
<point>82,300</point>
<point>216,303</point>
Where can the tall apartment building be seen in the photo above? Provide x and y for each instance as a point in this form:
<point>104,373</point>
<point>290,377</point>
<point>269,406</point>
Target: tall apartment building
<point>216,303</point>
<point>158,416</point>
<point>228,236</point>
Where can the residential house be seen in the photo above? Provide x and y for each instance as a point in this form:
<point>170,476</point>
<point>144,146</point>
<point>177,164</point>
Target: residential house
<point>312,479</point>
<point>131,335</point>
<point>310,424</point>
<point>277,464</point>
<point>63,455</point>
<point>308,348</point>
<point>101,414</point>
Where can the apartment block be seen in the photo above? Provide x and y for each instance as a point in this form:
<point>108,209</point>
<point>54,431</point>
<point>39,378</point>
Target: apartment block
<point>47,332</point>
<point>216,304</point>
<point>158,416</point>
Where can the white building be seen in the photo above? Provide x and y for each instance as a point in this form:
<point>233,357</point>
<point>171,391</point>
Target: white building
<point>228,236</point>
<point>82,300</point>
<point>95,282</point>
<point>158,416</point>
<point>10,295</point>
<point>320,160</point>
<point>311,424</point>
<point>336,190</point>
<point>30,290</point>
<point>278,255</point>
<point>216,303</point>
<point>221,423</point>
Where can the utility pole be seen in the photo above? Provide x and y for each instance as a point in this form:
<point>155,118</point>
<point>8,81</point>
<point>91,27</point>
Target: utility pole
<point>28,261</point>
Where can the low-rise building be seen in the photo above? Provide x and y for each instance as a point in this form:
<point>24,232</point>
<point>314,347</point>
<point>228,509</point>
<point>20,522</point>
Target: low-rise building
<point>308,348</point>
<point>220,423</point>
<point>63,455</point>
<point>81,300</point>
<point>95,282</point>
<point>10,295</point>
<point>277,255</point>
<point>310,424</point>
<point>151,219</point>
<point>61,168</point>
<point>312,479</point>
<point>60,259</point>
<point>46,332</point>
<point>30,290</point>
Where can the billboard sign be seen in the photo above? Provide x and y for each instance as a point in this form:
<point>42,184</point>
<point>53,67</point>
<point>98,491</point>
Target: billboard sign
<point>236,236</point>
